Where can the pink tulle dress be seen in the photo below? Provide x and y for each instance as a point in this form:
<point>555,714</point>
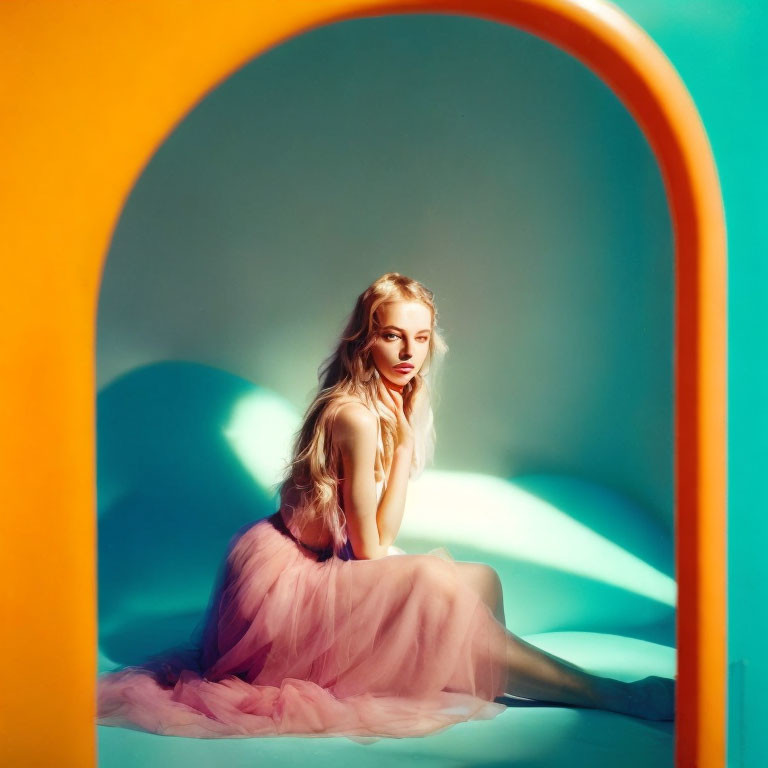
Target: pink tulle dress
<point>300,643</point>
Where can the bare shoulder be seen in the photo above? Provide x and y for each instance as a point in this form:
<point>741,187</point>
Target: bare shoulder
<point>354,420</point>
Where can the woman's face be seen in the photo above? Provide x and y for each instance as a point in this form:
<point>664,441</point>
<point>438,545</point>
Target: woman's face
<point>403,340</point>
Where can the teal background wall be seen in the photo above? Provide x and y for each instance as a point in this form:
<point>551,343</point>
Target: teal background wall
<point>507,178</point>
<point>470,155</point>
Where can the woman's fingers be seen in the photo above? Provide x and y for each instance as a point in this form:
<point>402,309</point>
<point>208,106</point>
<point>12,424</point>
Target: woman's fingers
<point>389,401</point>
<point>393,399</point>
<point>388,394</point>
<point>396,396</point>
<point>398,399</point>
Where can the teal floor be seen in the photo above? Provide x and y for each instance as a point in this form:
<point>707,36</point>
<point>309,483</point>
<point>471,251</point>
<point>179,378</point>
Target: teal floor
<point>526,734</point>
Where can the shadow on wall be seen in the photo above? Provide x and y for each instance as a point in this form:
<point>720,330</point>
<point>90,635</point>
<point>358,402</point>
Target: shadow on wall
<point>171,494</point>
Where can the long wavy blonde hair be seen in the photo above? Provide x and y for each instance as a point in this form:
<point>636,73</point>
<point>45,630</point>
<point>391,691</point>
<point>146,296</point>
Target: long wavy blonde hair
<point>310,485</point>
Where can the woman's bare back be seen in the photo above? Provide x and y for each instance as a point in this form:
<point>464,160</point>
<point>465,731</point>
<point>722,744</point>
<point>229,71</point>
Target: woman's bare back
<point>315,533</point>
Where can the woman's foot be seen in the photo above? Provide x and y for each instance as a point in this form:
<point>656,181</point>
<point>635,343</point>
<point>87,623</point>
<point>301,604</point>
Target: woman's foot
<point>652,698</point>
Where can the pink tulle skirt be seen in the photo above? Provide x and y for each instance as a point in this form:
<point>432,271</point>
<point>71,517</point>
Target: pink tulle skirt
<point>293,645</point>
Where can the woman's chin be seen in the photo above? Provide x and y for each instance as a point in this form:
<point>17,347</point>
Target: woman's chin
<point>392,383</point>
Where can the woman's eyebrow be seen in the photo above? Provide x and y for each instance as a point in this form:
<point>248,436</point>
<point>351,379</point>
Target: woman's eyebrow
<point>424,330</point>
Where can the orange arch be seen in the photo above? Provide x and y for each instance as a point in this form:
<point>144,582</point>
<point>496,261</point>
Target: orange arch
<point>91,90</point>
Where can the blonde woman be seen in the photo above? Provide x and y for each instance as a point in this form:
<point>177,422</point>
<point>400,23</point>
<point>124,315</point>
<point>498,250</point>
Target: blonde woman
<point>320,626</point>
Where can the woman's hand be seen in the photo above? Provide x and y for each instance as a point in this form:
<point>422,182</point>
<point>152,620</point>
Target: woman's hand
<point>394,400</point>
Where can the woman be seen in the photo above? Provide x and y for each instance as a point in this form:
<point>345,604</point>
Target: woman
<point>319,626</point>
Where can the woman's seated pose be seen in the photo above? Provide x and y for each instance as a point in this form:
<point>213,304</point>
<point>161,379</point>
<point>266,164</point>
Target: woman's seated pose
<point>319,626</point>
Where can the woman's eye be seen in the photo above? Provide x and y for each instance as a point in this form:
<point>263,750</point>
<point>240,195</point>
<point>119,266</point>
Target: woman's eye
<point>387,335</point>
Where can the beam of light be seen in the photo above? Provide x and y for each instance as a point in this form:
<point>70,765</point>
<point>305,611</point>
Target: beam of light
<point>494,515</point>
<point>260,430</point>
<point>481,511</point>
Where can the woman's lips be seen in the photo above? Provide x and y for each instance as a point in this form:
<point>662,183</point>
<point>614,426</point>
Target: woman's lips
<point>404,368</point>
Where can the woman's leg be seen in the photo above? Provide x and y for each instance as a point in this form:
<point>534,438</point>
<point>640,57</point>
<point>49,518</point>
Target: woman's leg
<point>537,674</point>
<point>486,582</point>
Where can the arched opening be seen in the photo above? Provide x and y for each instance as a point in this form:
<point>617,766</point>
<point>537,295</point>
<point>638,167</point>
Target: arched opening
<point>607,42</point>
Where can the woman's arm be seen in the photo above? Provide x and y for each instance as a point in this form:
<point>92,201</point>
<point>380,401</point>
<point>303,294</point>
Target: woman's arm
<point>392,503</point>
<point>355,431</point>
